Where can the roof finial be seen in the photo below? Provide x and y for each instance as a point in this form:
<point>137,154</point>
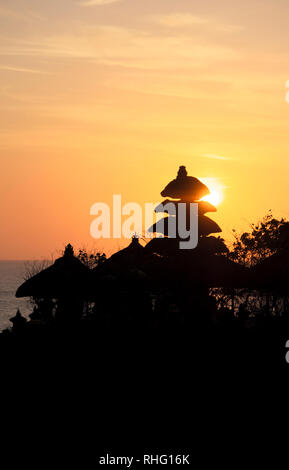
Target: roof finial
<point>134,239</point>
<point>182,173</point>
<point>68,250</point>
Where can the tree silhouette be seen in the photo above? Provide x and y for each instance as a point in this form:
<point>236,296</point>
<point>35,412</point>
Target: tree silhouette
<point>267,237</point>
<point>91,260</point>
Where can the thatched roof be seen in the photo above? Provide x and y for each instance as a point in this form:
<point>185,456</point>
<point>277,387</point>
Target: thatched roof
<point>185,187</point>
<point>169,206</point>
<point>123,266</point>
<point>205,226</point>
<point>170,246</point>
<point>131,254</point>
<point>66,276</point>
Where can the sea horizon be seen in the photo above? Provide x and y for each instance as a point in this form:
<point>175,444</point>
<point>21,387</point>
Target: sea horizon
<point>12,274</point>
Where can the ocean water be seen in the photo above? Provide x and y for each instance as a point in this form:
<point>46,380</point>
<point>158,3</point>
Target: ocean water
<point>11,276</point>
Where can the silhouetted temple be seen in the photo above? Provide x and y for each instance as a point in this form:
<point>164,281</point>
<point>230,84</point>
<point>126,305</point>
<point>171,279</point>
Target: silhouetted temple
<point>186,190</point>
<point>155,322</point>
<point>65,277</point>
<point>142,284</point>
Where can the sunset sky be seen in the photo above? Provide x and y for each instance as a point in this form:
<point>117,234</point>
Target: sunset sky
<point>103,97</point>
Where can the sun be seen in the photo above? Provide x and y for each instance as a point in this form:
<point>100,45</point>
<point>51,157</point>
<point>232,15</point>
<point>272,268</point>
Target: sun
<point>216,195</point>
<point>214,198</point>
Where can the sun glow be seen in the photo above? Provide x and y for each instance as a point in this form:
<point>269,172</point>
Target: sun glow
<point>216,195</point>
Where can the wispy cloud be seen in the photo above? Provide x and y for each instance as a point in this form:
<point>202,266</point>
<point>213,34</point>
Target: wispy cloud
<point>179,20</point>
<point>123,47</point>
<point>9,13</point>
<point>175,20</point>
<point>19,15</point>
<point>10,68</point>
<point>215,157</point>
<point>92,3</point>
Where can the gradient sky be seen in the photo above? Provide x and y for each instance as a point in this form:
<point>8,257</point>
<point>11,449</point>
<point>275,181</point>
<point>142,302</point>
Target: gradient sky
<point>103,97</point>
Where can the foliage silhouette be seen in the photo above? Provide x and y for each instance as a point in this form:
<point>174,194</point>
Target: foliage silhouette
<point>267,237</point>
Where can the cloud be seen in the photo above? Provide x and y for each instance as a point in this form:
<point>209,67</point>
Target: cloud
<point>175,20</point>
<point>20,15</point>
<point>180,20</point>
<point>10,68</point>
<point>123,47</point>
<point>215,157</point>
<point>92,3</point>
<point>9,13</point>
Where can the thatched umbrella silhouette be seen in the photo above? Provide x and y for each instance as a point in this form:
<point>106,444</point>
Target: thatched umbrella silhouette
<point>205,226</point>
<point>207,265</point>
<point>185,190</point>
<point>130,255</point>
<point>205,206</point>
<point>171,207</point>
<point>121,266</point>
<point>170,246</point>
<point>162,246</point>
<point>185,187</point>
<point>67,276</point>
<point>122,282</point>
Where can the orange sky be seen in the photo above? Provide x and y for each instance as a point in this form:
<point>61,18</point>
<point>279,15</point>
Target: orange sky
<point>106,97</point>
